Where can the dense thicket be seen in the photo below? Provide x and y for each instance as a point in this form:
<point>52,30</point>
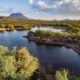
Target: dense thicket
<point>17,65</point>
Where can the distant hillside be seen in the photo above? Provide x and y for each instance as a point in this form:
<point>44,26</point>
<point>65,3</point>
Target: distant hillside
<point>19,16</point>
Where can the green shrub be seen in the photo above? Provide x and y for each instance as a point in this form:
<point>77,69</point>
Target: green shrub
<point>62,74</point>
<point>19,66</point>
<point>3,50</point>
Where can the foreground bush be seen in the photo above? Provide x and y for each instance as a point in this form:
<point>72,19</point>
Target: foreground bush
<point>62,75</point>
<point>18,66</point>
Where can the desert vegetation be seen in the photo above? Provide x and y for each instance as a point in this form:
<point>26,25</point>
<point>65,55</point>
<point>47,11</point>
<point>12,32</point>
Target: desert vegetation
<point>17,65</point>
<point>67,37</point>
<point>21,65</point>
<point>10,25</point>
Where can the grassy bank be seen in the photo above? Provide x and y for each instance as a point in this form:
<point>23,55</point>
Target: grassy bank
<point>10,24</point>
<point>70,40</point>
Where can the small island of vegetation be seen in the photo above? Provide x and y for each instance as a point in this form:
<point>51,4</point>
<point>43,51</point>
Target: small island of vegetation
<point>68,39</point>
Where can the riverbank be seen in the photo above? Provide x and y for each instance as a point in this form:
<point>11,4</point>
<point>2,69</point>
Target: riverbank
<point>55,42</point>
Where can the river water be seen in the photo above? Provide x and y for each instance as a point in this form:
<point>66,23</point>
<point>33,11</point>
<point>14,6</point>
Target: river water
<point>49,56</point>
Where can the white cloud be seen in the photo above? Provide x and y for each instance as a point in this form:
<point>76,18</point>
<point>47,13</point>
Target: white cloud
<point>67,1</point>
<point>31,1</point>
<point>76,3</point>
<point>69,7</point>
<point>42,4</point>
<point>56,3</point>
<point>54,6</point>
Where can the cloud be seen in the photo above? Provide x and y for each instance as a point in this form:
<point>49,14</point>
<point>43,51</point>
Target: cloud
<point>76,3</point>
<point>42,4</point>
<point>31,1</point>
<point>56,6</point>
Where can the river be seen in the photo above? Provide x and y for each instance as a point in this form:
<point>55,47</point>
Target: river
<point>53,57</point>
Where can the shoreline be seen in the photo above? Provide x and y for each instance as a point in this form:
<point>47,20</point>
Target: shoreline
<point>57,42</point>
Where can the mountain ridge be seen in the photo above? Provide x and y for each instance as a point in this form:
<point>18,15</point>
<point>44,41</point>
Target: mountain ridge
<point>19,16</point>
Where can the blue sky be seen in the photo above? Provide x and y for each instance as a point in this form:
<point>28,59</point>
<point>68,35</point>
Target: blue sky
<point>42,9</point>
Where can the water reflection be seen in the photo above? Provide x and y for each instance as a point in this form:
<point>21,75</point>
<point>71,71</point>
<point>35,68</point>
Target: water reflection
<point>48,28</point>
<point>47,55</point>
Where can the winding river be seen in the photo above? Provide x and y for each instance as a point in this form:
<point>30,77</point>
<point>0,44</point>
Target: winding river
<point>50,57</point>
